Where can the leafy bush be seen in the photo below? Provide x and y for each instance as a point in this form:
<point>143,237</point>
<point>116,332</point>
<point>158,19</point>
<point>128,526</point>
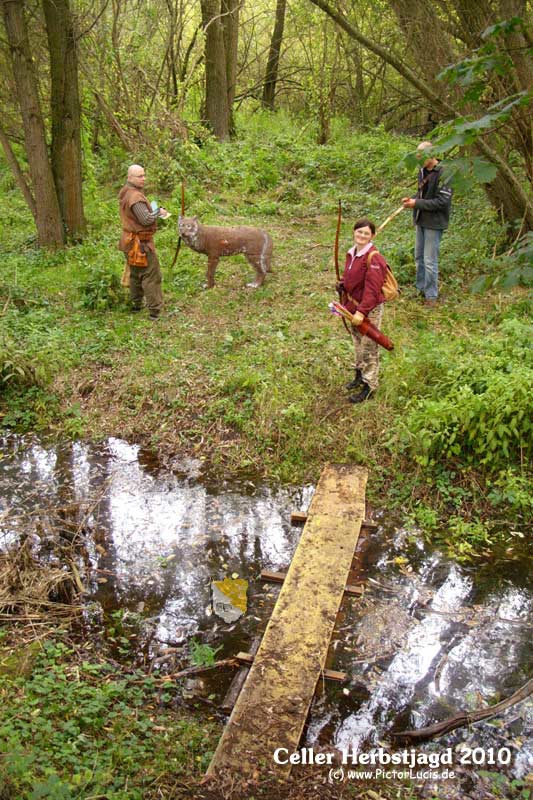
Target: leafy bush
<point>509,270</point>
<point>75,730</point>
<point>31,409</point>
<point>102,290</point>
<point>512,489</point>
<point>479,410</point>
<point>17,370</point>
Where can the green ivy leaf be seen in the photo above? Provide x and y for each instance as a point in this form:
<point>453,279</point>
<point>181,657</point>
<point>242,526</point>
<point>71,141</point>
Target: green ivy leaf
<point>484,171</point>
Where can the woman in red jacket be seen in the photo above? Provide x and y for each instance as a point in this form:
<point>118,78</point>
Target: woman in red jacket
<point>364,273</point>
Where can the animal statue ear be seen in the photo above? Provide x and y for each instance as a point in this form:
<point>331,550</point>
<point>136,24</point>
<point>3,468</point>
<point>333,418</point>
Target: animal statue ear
<point>195,219</point>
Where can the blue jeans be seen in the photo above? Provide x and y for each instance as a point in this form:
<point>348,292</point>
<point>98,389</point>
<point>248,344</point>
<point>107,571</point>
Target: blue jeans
<point>427,261</point>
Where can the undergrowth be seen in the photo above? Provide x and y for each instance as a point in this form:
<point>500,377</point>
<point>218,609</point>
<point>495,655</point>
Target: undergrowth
<point>74,729</point>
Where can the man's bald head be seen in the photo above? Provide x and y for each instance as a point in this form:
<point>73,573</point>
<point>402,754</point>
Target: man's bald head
<point>430,161</point>
<point>136,175</point>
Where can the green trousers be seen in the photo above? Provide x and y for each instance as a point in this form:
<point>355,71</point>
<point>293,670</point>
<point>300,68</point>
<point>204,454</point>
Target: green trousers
<point>146,282</point>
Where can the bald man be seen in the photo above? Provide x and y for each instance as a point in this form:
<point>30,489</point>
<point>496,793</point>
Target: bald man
<point>431,213</point>
<point>139,223</point>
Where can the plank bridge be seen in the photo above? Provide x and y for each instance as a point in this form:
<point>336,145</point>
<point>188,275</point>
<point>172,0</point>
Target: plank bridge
<point>273,704</point>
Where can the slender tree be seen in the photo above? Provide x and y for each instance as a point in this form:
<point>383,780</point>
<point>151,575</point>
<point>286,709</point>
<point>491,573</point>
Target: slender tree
<point>46,205</point>
<point>216,76</point>
<point>271,75</point>
<point>230,19</point>
<point>65,108</point>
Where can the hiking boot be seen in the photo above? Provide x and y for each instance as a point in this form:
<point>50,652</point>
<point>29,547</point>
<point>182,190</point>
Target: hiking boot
<point>430,302</point>
<point>357,381</point>
<point>365,393</point>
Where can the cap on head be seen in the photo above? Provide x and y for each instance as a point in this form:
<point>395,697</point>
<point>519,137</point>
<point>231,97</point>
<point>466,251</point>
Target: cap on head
<point>424,146</point>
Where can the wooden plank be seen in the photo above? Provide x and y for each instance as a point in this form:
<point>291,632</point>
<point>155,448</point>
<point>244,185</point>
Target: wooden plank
<point>238,681</point>
<point>272,577</point>
<point>278,577</point>
<point>274,702</point>
<point>298,518</point>
<point>328,674</point>
<point>369,527</point>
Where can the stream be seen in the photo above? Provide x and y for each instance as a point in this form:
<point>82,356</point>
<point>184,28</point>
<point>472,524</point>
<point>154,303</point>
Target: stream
<point>427,639</point>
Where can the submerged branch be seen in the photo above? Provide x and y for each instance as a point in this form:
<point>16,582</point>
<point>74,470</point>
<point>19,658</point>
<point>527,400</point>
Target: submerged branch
<point>464,718</point>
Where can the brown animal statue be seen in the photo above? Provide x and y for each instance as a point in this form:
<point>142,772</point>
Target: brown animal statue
<point>214,241</point>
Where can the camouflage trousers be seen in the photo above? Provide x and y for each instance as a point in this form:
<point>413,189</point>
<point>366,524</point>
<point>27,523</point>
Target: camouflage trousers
<point>146,281</point>
<point>367,350</point>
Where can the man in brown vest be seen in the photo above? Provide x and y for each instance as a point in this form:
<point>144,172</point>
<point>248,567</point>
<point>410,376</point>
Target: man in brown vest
<point>139,223</point>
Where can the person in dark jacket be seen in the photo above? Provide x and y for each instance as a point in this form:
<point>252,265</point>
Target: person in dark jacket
<point>365,271</point>
<point>431,213</point>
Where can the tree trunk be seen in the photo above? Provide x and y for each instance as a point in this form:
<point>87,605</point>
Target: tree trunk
<point>230,21</point>
<point>505,201</point>
<point>47,213</point>
<point>216,82</point>
<point>271,75</point>
<point>65,107</point>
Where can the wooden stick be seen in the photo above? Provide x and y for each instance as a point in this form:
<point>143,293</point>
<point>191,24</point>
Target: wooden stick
<point>279,577</point>
<point>298,518</point>
<point>389,219</point>
<point>225,662</point>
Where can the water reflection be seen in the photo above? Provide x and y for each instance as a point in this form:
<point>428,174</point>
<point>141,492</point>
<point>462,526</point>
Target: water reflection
<point>154,537</point>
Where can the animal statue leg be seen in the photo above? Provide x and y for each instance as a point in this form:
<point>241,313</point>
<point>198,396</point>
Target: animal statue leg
<point>261,260</point>
<point>212,263</point>
<point>256,262</point>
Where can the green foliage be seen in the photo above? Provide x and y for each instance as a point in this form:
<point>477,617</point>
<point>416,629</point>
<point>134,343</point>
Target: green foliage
<point>102,290</point>
<point>511,489</point>
<point>472,72</point>
<point>31,409</point>
<point>479,409</point>
<point>77,731</point>
<point>510,270</point>
<point>203,654</point>
<point>462,538</point>
<point>17,370</point>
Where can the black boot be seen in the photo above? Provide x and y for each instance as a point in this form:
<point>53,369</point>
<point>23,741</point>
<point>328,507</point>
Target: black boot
<point>357,381</point>
<point>365,392</point>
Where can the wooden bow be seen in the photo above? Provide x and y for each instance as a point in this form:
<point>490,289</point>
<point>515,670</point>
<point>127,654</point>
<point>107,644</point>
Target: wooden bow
<point>182,214</point>
<point>337,269</point>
